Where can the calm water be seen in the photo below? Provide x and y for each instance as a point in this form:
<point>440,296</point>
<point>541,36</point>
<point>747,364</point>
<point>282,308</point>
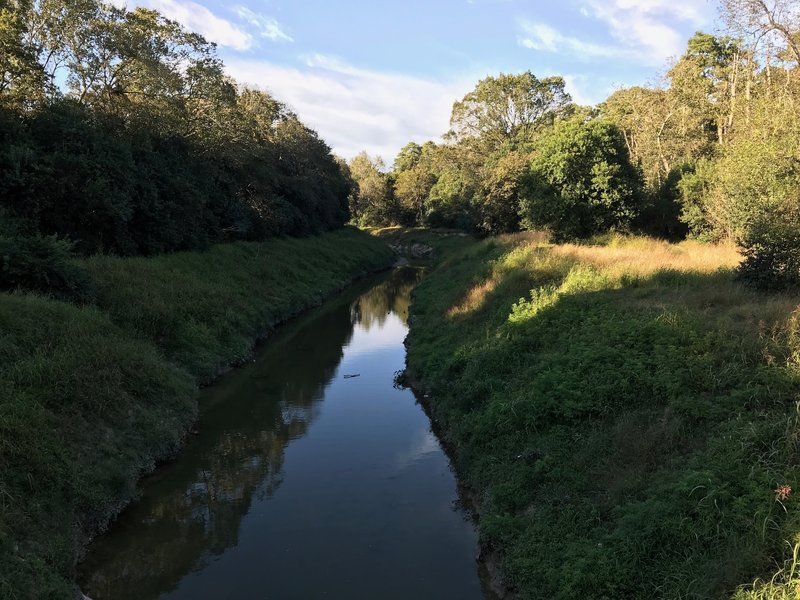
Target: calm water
<point>302,482</point>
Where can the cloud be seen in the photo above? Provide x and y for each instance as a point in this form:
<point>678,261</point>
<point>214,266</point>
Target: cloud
<point>268,27</point>
<point>356,109</point>
<point>225,33</point>
<point>651,26</point>
<point>642,32</point>
<point>538,36</point>
<point>577,86</point>
<point>199,19</point>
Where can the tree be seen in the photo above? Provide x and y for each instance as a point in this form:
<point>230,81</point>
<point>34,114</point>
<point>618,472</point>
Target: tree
<point>22,78</point>
<point>504,180</point>
<point>705,82</point>
<point>412,188</point>
<point>407,158</point>
<point>509,109</point>
<point>582,181</point>
<point>374,202</point>
<point>149,147</point>
<point>772,26</point>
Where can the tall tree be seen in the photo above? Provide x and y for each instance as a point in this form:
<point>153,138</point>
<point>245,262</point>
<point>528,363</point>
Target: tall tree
<point>509,109</point>
<point>407,158</point>
<point>373,203</point>
<point>582,181</point>
<point>22,78</point>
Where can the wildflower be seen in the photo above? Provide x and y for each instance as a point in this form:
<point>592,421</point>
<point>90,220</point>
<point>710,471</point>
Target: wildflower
<point>782,492</point>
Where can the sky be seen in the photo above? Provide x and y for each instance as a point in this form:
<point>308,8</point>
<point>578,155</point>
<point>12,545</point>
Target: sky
<point>375,74</point>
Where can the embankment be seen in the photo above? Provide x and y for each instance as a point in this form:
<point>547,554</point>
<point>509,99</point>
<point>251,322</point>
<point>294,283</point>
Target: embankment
<point>625,413</point>
<point>91,397</point>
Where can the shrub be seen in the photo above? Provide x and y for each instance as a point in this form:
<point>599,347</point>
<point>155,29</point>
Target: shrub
<point>42,264</point>
<point>772,255</point>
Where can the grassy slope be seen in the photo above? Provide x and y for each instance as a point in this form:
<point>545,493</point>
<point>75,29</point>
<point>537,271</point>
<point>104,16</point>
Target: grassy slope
<point>624,412</point>
<point>90,397</point>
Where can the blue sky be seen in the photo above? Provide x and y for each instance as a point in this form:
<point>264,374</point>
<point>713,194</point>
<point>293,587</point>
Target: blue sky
<point>373,75</point>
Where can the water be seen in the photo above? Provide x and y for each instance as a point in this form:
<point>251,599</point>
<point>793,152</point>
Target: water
<point>302,482</point>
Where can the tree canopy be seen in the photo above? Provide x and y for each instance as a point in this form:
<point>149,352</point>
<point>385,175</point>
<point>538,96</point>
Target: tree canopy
<point>122,133</point>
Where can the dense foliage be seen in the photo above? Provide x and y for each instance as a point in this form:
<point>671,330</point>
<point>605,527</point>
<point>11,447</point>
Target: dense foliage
<point>147,146</point>
<point>583,182</point>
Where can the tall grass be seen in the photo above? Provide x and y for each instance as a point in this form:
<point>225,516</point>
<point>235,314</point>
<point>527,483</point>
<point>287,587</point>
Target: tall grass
<point>92,396</point>
<point>624,410</point>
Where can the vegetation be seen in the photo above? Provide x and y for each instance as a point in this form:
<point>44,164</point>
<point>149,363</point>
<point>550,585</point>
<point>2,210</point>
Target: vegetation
<point>626,408</point>
<point>711,152</point>
<point>625,411</point>
<point>148,147</point>
<point>91,396</point>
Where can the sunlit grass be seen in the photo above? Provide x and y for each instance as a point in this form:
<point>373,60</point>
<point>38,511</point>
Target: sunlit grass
<point>645,256</point>
<point>784,585</point>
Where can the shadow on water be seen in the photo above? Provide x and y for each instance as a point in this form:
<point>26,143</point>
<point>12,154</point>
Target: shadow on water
<point>193,511</point>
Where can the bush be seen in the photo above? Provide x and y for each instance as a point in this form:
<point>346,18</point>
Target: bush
<point>42,264</point>
<point>582,182</point>
<point>772,255</point>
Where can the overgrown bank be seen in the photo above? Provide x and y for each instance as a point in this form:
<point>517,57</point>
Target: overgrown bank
<point>626,413</point>
<point>92,396</point>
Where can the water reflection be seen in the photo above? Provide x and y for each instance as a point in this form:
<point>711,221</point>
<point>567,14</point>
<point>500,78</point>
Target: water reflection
<point>391,296</point>
<point>191,510</point>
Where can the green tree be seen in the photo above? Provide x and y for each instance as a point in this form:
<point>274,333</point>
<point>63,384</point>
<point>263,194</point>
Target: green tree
<point>509,109</point>
<point>373,203</point>
<point>412,188</point>
<point>582,181</point>
<point>22,78</point>
<point>504,180</point>
<point>407,158</point>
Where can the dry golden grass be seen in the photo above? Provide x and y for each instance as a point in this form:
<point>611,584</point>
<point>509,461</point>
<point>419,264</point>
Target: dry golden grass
<point>475,297</point>
<point>645,256</point>
<point>637,258</point>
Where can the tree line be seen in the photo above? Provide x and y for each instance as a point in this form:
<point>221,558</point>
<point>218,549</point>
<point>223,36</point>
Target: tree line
<point>712,152</point>
<point>121,133</point>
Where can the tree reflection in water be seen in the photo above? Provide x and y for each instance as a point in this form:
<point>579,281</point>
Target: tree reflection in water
<point>192,509</point>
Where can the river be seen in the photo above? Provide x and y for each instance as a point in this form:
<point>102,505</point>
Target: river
<point>310,475</point>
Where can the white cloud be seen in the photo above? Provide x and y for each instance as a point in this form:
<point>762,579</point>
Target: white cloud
<point>577,86</point>
<point>268,27</point>
<point>356,109</point>
<point>643,32</point>
<point>652,26</point>
<point>199,19</point>
<point>538,36</point>
<point>225,33</point>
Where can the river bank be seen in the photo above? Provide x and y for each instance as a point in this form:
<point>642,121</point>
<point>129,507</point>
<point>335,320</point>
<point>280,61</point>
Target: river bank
<point>94,396</point>
<point>624,412</point>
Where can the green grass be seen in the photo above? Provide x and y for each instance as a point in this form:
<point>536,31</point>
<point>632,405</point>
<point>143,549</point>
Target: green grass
<point>204,310</point>
<point>625,414</point>
<point>91,397</point>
